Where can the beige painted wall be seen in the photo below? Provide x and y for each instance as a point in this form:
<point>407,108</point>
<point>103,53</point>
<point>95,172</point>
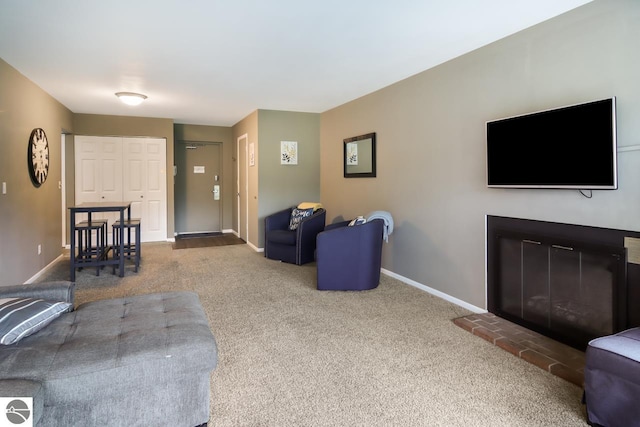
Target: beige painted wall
<point>431,143</point>
<point>29,216</point>
<point>223,135</point>
<point>101,125</point>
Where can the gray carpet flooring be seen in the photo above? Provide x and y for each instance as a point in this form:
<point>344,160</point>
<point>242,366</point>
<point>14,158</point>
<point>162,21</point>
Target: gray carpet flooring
<point>293,356</point>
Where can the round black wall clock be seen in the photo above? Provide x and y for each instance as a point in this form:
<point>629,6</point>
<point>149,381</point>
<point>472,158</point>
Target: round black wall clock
<point>38,157</point>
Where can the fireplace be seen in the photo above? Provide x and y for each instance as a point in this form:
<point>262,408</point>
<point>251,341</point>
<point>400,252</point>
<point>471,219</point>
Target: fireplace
<point>571,283</point>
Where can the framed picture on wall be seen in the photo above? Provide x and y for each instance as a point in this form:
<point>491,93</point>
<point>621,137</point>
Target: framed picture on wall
<point>352,154</point>
<point>288,152</point>
<point>360,156</point>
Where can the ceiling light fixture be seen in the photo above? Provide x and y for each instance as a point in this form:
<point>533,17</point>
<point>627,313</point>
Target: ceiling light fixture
<point>131,98</point>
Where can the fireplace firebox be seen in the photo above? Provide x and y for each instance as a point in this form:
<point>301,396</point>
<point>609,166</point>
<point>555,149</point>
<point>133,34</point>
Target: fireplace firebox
<point>571,283</point>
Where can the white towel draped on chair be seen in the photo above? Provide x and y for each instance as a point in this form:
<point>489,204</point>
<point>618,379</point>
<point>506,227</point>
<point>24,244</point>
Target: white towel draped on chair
<point>388,222</point>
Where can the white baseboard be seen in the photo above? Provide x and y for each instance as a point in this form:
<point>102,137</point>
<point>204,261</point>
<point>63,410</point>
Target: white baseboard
<point>435,292</point>
<point>254,247</point>
<point>44,270</point>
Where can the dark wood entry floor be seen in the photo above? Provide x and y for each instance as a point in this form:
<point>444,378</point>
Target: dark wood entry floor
<point>206,240</point>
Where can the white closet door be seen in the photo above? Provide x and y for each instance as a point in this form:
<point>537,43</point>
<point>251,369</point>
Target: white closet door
<point>125,169</point>
<point>98,169</point>
<point>145,185</point>
<point>98,172</point>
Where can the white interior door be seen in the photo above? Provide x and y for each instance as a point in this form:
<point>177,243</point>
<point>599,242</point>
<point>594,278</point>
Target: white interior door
<point>98,172</point>
<point>98,166</point>
<point>243,187</point>
<point>115,169</point>
<point>145,185</point>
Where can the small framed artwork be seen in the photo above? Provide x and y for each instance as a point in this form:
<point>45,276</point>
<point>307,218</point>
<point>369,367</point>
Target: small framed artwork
<point>252,154</point>
<point>288,152</point>
<point>360,156</point>
<point>352,154</point>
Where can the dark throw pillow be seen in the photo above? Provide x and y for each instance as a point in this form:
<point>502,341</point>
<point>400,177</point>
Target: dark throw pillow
<point>298,215</point>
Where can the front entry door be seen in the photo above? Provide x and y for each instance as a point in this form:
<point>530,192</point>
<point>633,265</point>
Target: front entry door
<point>198,187</point>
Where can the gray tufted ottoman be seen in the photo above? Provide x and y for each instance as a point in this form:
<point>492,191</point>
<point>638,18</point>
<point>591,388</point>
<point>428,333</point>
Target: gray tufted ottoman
<point>612,379</point>
<point>142,360</point>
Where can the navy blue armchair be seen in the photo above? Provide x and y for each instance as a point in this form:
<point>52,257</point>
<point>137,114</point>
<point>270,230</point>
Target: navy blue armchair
<point>295,247</point>
<point>612,379</point>
<point>350,258</point>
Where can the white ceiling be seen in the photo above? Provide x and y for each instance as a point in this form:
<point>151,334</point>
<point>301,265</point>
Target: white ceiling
<point>213,62</point>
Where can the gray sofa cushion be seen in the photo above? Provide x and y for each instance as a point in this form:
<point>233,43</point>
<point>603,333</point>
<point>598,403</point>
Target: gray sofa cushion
<point>53,291</point>
<point>126,350</point>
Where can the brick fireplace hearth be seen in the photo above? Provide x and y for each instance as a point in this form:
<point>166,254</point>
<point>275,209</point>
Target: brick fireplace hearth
<point>559,359</point>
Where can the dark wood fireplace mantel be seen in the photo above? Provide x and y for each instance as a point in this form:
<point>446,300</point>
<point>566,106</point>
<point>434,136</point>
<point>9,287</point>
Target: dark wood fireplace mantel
<point>569,282</point>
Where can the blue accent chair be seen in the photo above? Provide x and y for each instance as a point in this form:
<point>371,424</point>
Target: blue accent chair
<point>350,258</point>
<point>612,379</point>
<point>295,247</point>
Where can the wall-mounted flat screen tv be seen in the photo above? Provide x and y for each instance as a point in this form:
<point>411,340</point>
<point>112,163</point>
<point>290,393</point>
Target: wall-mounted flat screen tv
<point>568,147</point>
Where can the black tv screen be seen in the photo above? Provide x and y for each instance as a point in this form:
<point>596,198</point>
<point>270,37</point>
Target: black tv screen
<point>567,147</point>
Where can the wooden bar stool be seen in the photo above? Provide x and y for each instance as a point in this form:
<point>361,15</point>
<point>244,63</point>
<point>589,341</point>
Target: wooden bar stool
<point>90,252</point>
<point>131,249</point>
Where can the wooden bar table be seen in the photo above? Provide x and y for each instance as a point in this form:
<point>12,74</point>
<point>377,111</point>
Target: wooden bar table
<point>90,208</point>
